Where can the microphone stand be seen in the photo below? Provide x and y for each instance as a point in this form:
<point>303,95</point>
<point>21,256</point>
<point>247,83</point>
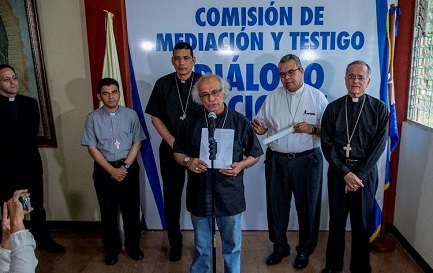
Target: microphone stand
<point>212,157</point>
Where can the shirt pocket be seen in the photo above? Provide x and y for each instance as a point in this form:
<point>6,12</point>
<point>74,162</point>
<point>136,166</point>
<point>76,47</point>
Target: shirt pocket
<point>310,117</point>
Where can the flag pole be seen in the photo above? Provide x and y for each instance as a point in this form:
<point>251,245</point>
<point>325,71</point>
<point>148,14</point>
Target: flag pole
<point>385,243</point>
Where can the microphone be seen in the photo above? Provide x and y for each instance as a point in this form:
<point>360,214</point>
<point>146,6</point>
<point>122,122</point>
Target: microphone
<point>211,121</point>
<point>212,143</point>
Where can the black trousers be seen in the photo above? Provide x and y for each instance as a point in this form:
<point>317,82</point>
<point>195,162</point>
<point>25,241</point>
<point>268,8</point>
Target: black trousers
<point>34,184</point>
<point>112,196</point>
<point>173,180</point>
<point>301,176</point>
<point>360,204</point>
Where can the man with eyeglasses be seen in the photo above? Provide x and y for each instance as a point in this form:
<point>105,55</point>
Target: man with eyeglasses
<point>354,132</point>
<point>228,188</point>
<point>170,104</point>
<point>20,161</point>
<point>294,162</point>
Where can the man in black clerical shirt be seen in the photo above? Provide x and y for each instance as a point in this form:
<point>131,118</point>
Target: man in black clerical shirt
<point>224,185</point>
<point>354,132</point>
<point>170,104</point>
<point>20,161</point>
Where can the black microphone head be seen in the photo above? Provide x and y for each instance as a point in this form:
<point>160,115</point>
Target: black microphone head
<point>212,115</point>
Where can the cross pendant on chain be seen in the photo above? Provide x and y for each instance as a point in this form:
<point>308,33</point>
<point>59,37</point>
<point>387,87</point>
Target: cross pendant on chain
<point>347,149</point>
<point>117,143</point>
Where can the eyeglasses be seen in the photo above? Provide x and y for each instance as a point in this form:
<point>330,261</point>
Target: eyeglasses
<point>352,77</point>
<point>206,96</point>
<point>185,58</point>
<point>291,72</point>
<point>9,80</point>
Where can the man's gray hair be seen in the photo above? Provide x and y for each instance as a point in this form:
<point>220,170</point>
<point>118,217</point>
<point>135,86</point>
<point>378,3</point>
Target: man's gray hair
<point>361,63</point>
<point>195,94</point>
<point>289,57</point>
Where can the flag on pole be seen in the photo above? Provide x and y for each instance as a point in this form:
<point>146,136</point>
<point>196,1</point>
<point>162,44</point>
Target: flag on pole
<point>386,53</point>
<point>111,67</point>
<point>389,97</point>
<point>393,129</point>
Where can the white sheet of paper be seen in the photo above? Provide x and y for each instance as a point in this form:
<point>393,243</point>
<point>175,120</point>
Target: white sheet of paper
<point>278,135</point>
<point>224,155</point>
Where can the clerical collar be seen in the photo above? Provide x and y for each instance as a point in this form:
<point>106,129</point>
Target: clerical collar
<point>184,81</point>
<point>297,92</point>
<point>357,99</point>
<point>12,99</point>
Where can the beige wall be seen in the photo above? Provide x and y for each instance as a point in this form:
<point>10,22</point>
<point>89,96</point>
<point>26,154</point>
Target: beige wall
<point>413,206</point>
<point>69,192</point>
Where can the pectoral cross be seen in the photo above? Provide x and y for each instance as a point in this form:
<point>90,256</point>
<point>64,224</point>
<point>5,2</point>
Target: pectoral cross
<point>117,143</point>
<point>347,149</point>
<point>183,116</point>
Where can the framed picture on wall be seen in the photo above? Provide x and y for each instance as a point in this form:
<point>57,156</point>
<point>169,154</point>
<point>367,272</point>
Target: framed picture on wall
<point>20,47</point>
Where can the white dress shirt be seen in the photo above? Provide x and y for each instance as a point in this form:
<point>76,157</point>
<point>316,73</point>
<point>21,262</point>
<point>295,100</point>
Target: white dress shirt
<point>283,107</point>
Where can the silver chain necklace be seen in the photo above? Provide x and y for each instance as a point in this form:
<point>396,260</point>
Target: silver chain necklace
<point>115,133</point>
<point>348,148</point>
<point>297,107</point>
<point>180,99</point>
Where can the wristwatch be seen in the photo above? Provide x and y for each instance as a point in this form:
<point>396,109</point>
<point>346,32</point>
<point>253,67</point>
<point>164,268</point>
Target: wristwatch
<point>126,165</point>
<point>313,130</point>
<point>186,159</point>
